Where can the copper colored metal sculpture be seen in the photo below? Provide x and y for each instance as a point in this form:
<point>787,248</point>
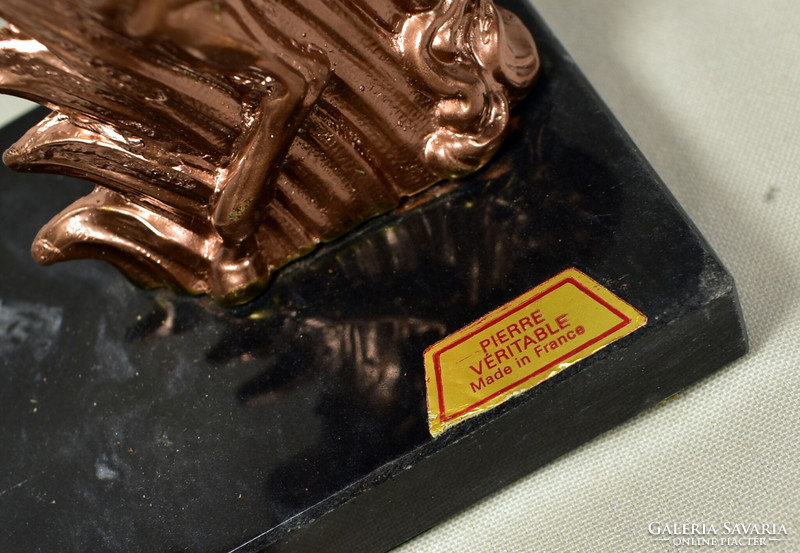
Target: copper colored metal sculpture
<point>227,138</point>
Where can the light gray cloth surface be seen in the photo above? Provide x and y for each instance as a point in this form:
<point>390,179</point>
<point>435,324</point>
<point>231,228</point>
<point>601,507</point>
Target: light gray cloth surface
<point>710,91</point>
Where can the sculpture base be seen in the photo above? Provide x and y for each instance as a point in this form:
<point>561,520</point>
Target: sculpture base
<point>147,422</point>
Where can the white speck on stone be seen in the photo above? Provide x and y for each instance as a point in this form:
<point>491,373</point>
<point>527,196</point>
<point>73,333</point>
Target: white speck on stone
<point>104,472</point>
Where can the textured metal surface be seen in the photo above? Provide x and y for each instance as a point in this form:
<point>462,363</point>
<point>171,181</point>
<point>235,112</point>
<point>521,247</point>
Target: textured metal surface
<point>227,138</point>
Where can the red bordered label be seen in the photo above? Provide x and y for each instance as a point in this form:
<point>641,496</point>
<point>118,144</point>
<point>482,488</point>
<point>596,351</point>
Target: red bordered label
<point>521,344</point>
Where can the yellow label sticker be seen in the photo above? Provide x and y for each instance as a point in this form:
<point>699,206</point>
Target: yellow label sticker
<point>519,345</point>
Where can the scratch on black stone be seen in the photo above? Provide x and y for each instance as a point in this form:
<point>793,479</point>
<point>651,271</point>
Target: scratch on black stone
<point>14,487</point>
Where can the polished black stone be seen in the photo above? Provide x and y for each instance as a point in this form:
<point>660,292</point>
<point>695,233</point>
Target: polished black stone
<point>147,422</point>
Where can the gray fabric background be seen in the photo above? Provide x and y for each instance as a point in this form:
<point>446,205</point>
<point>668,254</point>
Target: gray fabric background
<point>710,91</point>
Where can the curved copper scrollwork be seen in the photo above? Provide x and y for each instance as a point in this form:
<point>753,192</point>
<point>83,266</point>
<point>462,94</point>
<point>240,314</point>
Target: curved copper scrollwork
<point>227,138</point>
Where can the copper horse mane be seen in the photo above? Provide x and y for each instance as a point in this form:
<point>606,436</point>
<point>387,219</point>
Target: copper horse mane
<point>227,138</point>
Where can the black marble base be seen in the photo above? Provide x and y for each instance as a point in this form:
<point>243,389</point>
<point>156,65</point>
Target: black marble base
<point>145,422</point>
